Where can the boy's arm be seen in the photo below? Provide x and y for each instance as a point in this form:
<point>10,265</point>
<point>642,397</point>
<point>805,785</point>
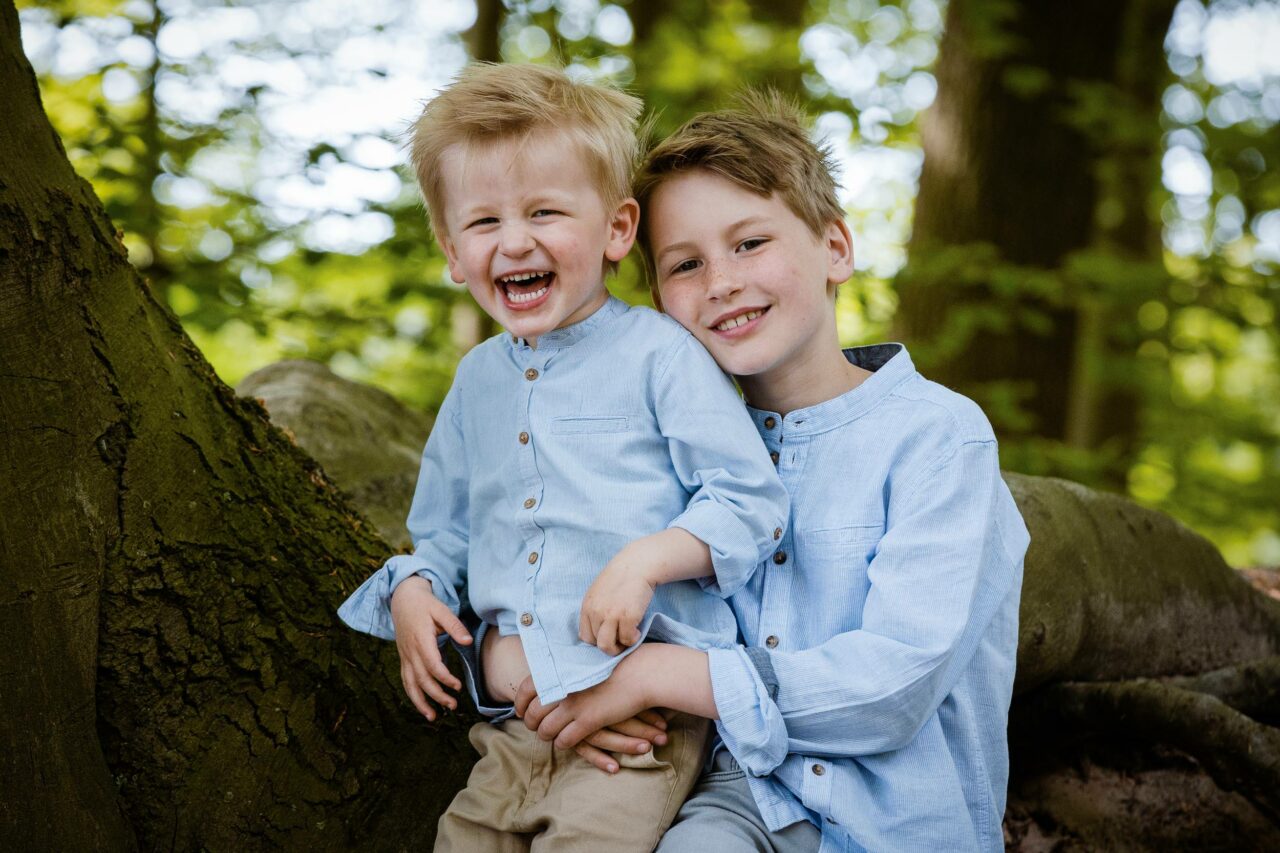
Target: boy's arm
<point>738,507</point>
<point>438,525</point>
<point>656,675</point>
<point>950,560</point>
<point>619,596</point>
<point>732,521</point>
<point>935,588</point>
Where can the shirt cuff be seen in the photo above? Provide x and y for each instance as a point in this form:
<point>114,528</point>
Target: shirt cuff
<point>734,555</point>
<point>368,609</point>
<point>750,724</point>
<point>473,676</point>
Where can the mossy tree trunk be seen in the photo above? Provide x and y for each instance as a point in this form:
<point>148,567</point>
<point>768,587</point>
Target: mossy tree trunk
<point>174,675</point>
<point>1031,228</point>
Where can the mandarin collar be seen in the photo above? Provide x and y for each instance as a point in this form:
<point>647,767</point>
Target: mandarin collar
<point>889,364</point>
<point>570,335</point>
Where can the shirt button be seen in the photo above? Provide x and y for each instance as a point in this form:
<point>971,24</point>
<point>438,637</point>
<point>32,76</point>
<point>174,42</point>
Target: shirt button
<point>531,374</point>
<point>529,503</point>
<point>780,557</point>
<point>773,454</point>
<point>524,438</point>
<point>770,423</point>
<point>777,533</point>
<point>533,557</point>
<point>818,770</point>
<point>526,619</point>
<point>771,642</point>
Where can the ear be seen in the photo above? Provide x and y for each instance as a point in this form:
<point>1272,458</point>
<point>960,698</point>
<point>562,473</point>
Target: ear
<point>622,229</point>
<point>839,245</point>
<point>451,255</point>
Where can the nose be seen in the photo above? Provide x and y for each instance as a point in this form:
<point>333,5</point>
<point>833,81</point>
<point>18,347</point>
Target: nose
<point>720,282</point>
<point>515,239</point>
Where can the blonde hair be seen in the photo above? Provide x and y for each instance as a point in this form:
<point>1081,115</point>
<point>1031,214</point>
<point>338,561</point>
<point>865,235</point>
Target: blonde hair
<point>490,102</point>
<point>762,145</point>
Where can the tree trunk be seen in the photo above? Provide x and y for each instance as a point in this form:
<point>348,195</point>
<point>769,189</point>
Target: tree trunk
<point>1043,142</point>
<point>174,673</point>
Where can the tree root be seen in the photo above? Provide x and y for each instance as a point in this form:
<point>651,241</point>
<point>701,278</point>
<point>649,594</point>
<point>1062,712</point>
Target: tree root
<point>1239,753</point>
<point>1251,688</point>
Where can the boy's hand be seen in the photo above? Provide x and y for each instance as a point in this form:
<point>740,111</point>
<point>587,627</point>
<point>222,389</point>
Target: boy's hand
<point>620,595</point>
<point>419,618</point>
<point>579,715</point>
<point>616,602</point>
<point>634,736</point>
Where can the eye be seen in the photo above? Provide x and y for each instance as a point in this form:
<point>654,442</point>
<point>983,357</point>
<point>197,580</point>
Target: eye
<point>685,266</point>
<point>547,212</point>
<point>484,220</point>
<point>752,243</point>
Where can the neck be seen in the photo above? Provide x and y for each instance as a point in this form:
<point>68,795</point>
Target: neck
<point>821,373</point>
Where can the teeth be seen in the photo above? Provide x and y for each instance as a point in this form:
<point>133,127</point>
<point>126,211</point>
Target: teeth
<point>516,278</point>
<point>734,322</point>
<point>526,297</point>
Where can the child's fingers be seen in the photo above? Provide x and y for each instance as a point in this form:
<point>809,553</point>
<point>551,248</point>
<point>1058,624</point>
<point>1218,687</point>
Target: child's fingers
<point>614,741</point>
<point>637,728</point>
<point>427,684</point>
<point>450,624</point>
<point>586,627</point>
<point>600,759</point>
<point>410,682</point>
<point>653,717</point>
<point>436,666</point>
<point>554,721</point>
<point>607,637</point>
<point>572,734</point>
<point>525,695</point>
<point>629,634</point>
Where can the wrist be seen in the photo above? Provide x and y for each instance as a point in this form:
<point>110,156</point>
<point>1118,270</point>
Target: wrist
<point>676,677</point>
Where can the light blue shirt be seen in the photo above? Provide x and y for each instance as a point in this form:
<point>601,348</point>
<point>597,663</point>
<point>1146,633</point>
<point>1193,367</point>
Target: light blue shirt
<point>872,696</point>
<point>545,462</point>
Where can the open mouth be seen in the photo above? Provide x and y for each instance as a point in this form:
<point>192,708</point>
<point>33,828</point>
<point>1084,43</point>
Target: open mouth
<point>740,322</point>
<point>523,290</point>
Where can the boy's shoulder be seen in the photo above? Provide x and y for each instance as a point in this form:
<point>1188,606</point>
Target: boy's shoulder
<point>935,408</point>
<point>914,420</point>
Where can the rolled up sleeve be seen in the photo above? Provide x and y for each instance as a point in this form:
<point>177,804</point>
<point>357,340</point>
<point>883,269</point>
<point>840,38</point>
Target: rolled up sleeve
<point>738,506</point>
<point>438,525</point>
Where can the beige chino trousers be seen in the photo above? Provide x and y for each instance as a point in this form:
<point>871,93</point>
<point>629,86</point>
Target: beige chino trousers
<point>526,795</point>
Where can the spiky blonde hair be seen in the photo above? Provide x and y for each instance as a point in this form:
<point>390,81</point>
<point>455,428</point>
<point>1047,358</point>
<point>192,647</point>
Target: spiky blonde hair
<point>490,103</point>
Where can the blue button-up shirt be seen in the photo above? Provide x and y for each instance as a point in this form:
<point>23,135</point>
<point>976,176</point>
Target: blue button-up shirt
<point>545,462</point>
<point>872,696</point>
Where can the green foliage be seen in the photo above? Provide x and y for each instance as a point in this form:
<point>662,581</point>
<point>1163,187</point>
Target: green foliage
<point>193,163</point>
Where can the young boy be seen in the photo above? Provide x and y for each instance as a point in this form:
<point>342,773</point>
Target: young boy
<point>868,705</point>
<point>590,459</point>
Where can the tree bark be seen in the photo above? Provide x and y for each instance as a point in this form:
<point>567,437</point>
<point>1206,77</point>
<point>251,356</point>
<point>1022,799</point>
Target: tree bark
<point>1043,141</point>
<point>174,673</point>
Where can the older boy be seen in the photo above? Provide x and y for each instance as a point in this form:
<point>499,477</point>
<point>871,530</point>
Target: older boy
<point>592,445</point>
<point>868,705</point>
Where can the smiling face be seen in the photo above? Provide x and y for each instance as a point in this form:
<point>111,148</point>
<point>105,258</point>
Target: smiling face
<point>749,279</point>
<point>529,233</point>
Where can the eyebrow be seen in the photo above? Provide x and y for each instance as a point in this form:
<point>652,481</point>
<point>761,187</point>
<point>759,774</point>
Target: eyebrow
<point>685,244</point>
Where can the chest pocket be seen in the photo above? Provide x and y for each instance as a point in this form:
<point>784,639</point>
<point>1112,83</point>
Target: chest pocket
<point>833,563</point>
<point>588,425</point>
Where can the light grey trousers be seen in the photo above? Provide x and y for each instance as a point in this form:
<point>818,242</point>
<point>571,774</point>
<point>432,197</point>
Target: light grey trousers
<point>721,814</point>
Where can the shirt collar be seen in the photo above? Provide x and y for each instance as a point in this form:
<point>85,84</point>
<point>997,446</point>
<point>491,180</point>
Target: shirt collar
<point>889,364</point>
<point>570,335</point>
